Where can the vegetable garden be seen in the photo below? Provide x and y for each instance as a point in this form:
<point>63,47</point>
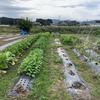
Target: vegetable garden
<point>51,66</point>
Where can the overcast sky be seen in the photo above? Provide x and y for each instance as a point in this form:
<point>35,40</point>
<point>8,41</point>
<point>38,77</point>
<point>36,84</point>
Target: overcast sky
<point>54,9</point>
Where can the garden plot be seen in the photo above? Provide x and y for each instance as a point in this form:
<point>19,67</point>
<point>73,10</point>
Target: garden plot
<point>29,68</point>
<point>95,66</point>
<point>75,85</point>
<point>48,82</point>
<point>8,44</point>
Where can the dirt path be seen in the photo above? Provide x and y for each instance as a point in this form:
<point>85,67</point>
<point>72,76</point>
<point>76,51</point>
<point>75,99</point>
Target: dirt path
<point>8,39</point>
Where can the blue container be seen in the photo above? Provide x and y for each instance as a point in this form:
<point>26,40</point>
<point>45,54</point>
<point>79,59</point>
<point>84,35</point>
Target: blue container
<point>23,32</point>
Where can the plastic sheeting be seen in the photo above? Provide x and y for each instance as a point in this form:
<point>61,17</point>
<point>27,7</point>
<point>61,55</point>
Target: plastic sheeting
<point>8,44</point>
<point>82,57</point>
<point>22,85</point>
<point>95,66</point>
<point>93,54</point>
<point>13,38</point>
<point>75,84</point>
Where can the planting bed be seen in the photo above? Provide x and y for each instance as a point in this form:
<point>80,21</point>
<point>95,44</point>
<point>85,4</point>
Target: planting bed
<point>75,85</point>
<point>89,67</point>
<point>40,67</point>
<point>95,66</point>
<point>30,67</point>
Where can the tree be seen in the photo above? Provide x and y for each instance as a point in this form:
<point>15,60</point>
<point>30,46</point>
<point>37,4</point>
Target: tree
<point>25,24</point>
<point>7,21</point>
<point>44,21</point>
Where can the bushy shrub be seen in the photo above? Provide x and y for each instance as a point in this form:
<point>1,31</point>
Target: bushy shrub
<point>25,24</point>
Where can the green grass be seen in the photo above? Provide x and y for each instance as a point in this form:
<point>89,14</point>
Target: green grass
<point>49,84</point>
<point>9,30</point>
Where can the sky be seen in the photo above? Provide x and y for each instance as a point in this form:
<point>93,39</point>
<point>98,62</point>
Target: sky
<point>54,9</point>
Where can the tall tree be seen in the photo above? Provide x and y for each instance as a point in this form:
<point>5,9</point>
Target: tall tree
<point>44,21</point>
<point>25,24</point>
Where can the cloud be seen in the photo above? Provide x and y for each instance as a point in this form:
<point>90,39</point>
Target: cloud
<point>66,9</point>
<point>13,8</point>
<point>71,6</point>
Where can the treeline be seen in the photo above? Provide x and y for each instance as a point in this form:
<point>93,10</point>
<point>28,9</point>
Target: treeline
<point>44,22</point>
<point>13,21</point>
<point>8,21</point>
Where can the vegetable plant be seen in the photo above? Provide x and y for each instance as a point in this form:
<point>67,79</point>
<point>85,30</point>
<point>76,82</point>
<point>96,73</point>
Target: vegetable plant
<point>32,63</point>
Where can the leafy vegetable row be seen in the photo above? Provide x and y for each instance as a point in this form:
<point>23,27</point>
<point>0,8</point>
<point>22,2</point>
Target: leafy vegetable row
<point>19,47</point>
<point>9,55</point>
<point>33,63</point>
<point>6,59</point>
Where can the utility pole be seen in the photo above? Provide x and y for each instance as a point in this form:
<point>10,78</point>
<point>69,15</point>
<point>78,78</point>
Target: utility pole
<point>59,17</point>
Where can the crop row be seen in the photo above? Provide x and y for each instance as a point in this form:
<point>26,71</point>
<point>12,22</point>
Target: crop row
<point>10,54</point>
<point>32,64</point>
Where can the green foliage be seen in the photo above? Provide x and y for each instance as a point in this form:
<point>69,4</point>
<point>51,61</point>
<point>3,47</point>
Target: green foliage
<point>69,40</point>
<point>44,21</point>
<point>7,21</point>
<point>19,47</point>
<point>8,56</point>
<point>3,63</point>
<point>32,63</point>
<point>6,59</point>
<point>56,58</point>
<point>55,35</point>
<point>41,43</point>
<point>25,24</point>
